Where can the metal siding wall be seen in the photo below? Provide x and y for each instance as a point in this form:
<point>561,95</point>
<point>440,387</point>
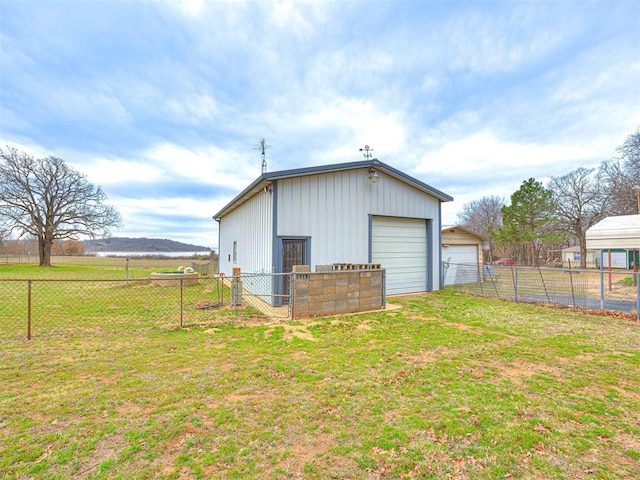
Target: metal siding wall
<point>334,208</point>
<point>249,225</point>
<point>330,209</point>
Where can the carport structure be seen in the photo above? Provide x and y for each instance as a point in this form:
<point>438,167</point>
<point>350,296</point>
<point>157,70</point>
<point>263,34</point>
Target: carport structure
<point>619,232</point>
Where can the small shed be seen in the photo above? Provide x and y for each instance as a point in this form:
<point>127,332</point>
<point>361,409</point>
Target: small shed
<point>463,245</point>
<point>462,254</point>
<point>462,251</point>
<point>571,257</point>
<point>620,234</point>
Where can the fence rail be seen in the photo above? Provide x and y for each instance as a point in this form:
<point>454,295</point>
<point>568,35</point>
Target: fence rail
<point>62,307</point>
<point>615,290</point>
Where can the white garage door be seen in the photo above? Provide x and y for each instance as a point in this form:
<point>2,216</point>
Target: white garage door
<point>460,264</point>
<point>618,259</point>
<point>400,245</point>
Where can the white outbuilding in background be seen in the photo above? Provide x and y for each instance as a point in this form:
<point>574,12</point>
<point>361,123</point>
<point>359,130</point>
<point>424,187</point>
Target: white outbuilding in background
<point>618,241</point>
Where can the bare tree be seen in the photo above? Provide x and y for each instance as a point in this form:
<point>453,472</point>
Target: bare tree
<point>621,175</point>
<point>49,200</point>
<point>580,201</point>
<point>484,217</point>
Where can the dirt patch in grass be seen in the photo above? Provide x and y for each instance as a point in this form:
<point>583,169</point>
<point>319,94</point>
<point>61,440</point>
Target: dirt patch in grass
<point>106,449</point>
<point>254,398</point>
<point>303,452</point>
<point>466,328</point>
<point>363,326</point>
<point>425,357</point>
<point>292,331</point>
<point>129,409</point>
<point>517,373</point>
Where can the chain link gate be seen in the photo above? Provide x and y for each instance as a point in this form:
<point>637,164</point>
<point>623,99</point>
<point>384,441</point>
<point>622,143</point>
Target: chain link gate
<point>269,293</point>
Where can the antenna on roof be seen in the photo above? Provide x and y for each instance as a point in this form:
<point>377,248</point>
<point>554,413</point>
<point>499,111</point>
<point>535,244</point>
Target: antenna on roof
<point>367,152</point>
<point>262,147</point>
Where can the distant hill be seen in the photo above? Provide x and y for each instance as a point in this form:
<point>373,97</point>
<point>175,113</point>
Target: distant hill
<point>151,245</point>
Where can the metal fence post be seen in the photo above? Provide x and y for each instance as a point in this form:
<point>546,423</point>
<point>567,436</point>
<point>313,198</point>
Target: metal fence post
<point>638,296</point>
<point>29,309</point>
<point>544,285</point>
<point>384,288</point>
<point>573,292</point>
<point>514,275</point>
<point>181,302</point>
<point>292,299</point>
<point>601,280</point>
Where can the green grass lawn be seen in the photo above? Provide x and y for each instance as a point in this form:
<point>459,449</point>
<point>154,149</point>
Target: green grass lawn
<point>449,386</point>
<point>94,268</point>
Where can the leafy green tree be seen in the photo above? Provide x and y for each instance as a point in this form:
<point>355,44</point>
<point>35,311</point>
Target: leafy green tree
<point>528,222</point>
<point>47,199</point>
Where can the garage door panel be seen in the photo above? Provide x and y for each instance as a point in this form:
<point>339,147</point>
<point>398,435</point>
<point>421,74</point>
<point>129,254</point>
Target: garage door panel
<point>400,263</point>
<point>460,264</point>
<point>394,232</point>
<point>398,252</point>
<point>618,260</point>
<point>400,245</point>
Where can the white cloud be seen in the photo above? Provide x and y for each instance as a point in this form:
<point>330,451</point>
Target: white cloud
<point>206,164</point>
<point>483,153</point>
<point>109,171</point>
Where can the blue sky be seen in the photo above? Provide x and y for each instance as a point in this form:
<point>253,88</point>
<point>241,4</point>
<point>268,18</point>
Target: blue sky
<point>163,103</point>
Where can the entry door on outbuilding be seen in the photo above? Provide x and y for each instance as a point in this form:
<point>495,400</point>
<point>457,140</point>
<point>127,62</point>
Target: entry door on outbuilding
<point>400,245</point>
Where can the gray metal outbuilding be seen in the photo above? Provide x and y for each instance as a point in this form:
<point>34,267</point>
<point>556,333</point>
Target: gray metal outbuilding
<point>359,212</point>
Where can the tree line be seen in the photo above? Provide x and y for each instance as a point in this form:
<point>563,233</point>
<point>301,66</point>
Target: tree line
<point>47,200</point>
<point>540,220</point>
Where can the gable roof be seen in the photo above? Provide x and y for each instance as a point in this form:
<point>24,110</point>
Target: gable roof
<point>622,231</point>
<point>267,178</point>
<point>464,229</point>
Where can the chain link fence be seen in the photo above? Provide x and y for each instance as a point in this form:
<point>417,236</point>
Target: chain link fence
<point>61,308</point>
<point>615,290</point>
<point>269,293</point>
